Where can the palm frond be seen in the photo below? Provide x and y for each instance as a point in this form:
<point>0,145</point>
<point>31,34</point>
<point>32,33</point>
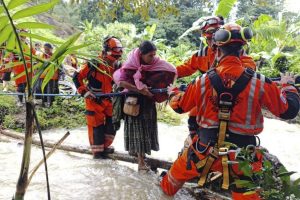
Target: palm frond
<point>224,8</point>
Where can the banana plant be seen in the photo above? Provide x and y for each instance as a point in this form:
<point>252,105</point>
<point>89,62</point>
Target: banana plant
<point>273,42</point>
<point>224,7</point>
<point>12,16</point>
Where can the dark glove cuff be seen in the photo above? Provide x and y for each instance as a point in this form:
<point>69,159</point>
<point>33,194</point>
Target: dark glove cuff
<point>83,93</point>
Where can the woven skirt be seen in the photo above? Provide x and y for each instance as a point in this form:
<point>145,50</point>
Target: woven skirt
<point>140,132</point>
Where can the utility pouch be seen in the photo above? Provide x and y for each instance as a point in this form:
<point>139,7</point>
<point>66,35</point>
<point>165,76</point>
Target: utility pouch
<point>131,106</point>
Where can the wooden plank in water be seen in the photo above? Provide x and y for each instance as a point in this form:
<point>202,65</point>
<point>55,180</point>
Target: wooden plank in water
<point>154,163</point>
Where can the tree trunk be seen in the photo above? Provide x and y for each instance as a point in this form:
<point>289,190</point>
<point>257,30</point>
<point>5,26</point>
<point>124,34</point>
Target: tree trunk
<point>23,177</point>
<point>154,163</point>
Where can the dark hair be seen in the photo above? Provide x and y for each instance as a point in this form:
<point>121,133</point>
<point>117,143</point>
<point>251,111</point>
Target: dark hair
<point>146,47</point>
<point>231,49</point>
<point>48,45</point>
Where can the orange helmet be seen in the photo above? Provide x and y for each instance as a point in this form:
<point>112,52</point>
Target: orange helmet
<point>232,32</point>
<point>113,45</point>
<point>209,25</point>
<point>112,48</point>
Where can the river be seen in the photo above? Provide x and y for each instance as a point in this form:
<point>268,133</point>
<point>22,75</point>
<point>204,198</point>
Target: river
<point>77,176</point>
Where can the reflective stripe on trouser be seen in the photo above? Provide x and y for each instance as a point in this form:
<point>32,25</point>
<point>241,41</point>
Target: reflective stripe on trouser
<point>100,127</point>
<point>178,175</point>
<point>96,138</point>
<point>99,140</point>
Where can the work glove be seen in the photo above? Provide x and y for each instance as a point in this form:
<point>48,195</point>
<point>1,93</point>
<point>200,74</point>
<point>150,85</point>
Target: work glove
<point>145,91</point>
<point>287,78</point>
<point>170,89</point>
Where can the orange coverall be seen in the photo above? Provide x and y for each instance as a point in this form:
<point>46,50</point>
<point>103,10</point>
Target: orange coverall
<point>98,111</point>
<point>203,61</point>
<point>20,68</point>
<point>246,118</point>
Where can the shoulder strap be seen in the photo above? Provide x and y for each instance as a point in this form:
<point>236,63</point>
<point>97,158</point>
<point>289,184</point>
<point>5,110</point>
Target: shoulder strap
<point>237,88</point>
<point>226,98</point>
<point>91,65</point>
<point>202,51</point>
<point>216,81</point>
<point>242,82</point>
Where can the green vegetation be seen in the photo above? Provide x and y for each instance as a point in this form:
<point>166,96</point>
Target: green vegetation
<point>274,47</point>
<point>7,108</point>
<point>273,180</point>
<point>166,115</point>
<point>64,113</point>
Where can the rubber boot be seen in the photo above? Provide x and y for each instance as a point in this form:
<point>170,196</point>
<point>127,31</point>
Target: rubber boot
<point>99,155</point>
<point>109,149</point>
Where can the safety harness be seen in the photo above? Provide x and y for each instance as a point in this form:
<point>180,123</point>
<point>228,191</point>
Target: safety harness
<point>226,101</point>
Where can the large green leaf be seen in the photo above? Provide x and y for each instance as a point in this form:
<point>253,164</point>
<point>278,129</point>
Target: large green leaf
<point>38,37</point>
<point>13,64</point>
<point>38,69</point>
<point>297,182</point>
<point>49,74</point>
<point>34,10</point>
<point>3,21</point>
<point>17,51</point>
<point>262,20</point>
<point>85,55</point>
<point>15,3</point>
<point>32,25</point>
<point>50,67</point>
<point>224,7</point>
<point>288,174</point>
<point>65,46</point>
<point>5,33</point>
<point>244,183</point>
<point>73,49</point>
<point>11,42</point>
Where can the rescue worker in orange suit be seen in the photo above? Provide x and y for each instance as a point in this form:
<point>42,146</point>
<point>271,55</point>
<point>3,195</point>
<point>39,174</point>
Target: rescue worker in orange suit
<point>99,110</point>
<point>205,58</point>
<point>4,73</point>
<point>52,86</point>
<point>21,81</point>
<point>229,99</point>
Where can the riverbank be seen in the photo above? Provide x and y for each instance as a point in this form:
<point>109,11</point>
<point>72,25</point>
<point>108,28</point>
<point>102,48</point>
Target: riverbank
<point>64,113</point>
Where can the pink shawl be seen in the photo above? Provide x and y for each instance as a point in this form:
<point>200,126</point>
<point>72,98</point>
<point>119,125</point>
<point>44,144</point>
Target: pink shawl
<point>133,63</point>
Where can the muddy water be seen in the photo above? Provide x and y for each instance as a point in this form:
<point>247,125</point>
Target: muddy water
<point>76,176</point>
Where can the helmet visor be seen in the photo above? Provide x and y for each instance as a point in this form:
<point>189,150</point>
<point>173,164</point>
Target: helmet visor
<point>211,30</point>
<point>211,21</point>
<point>117,49</point>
